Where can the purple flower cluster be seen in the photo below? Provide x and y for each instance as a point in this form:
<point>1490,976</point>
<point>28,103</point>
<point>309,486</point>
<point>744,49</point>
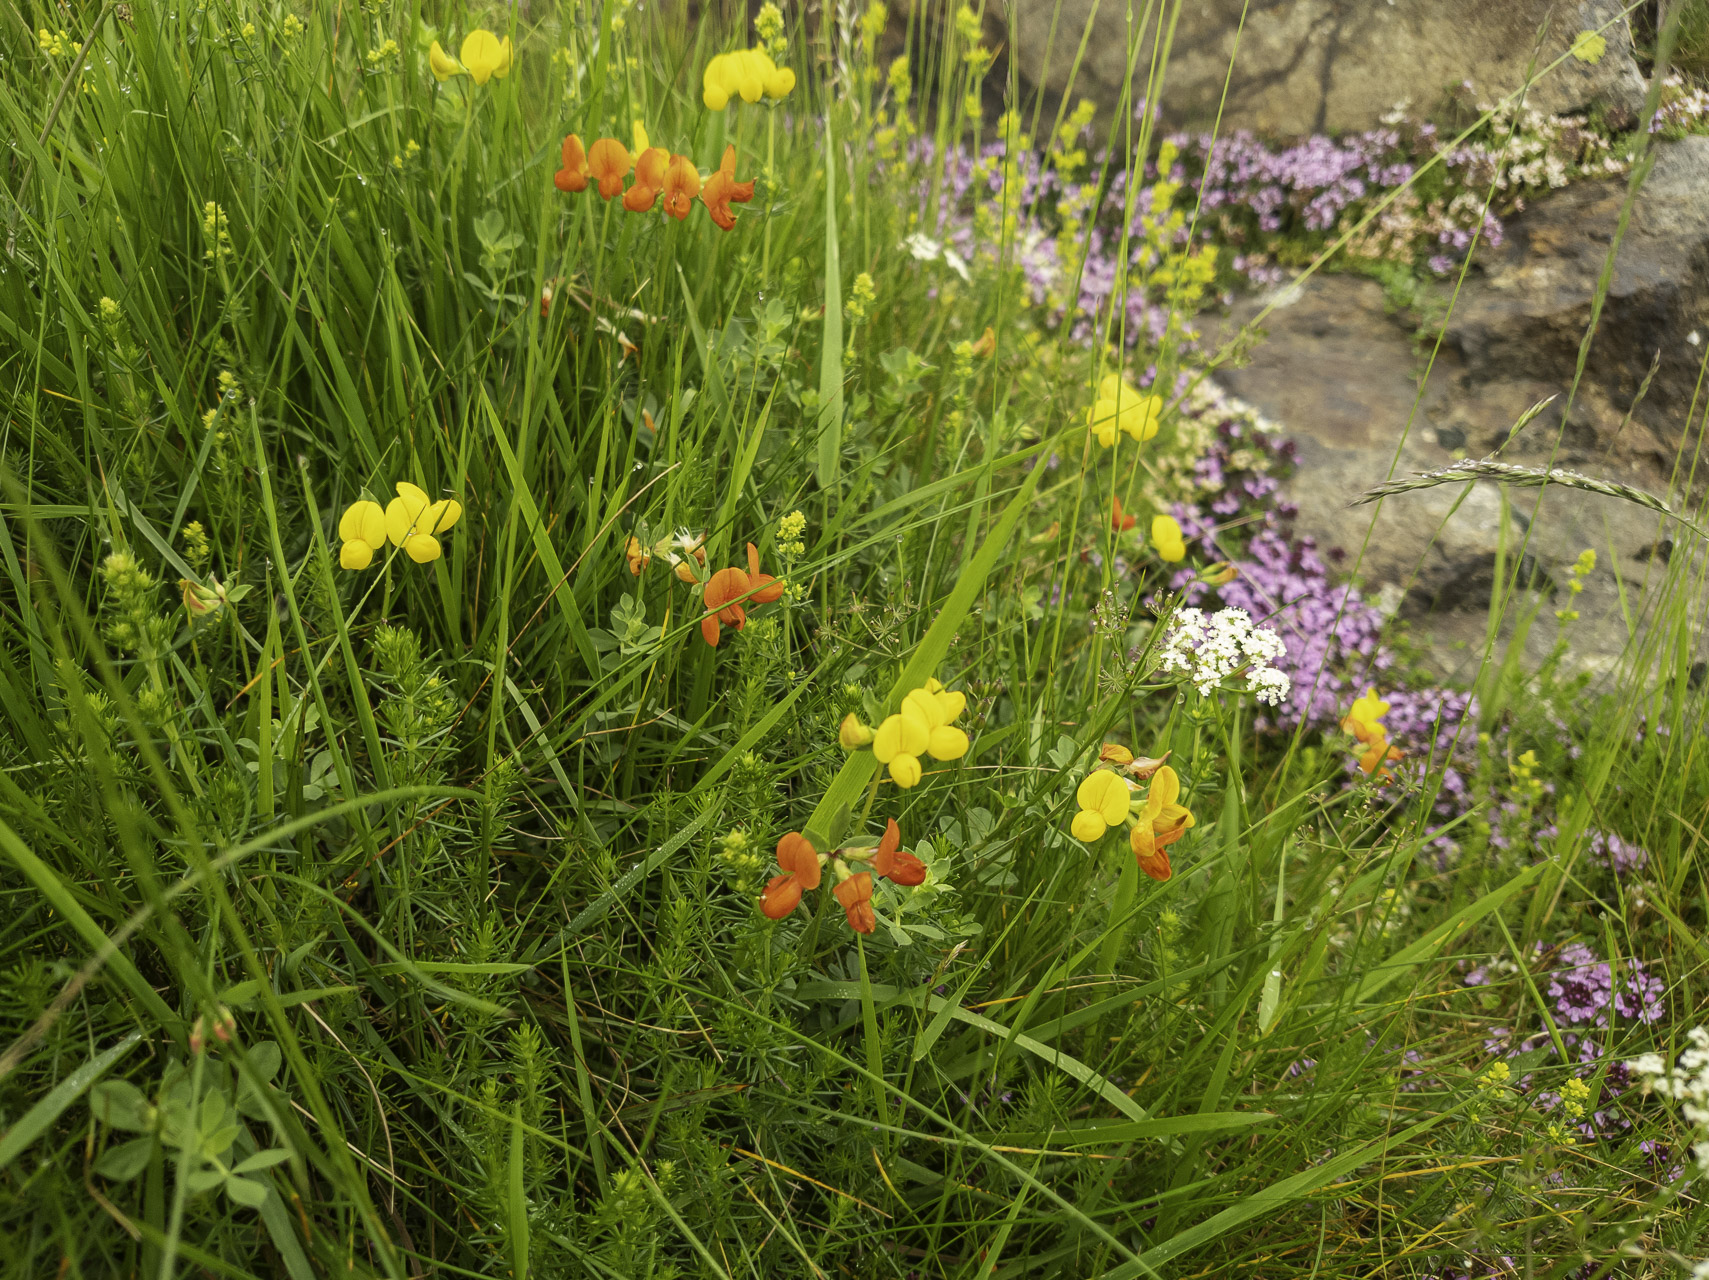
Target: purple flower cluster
<point>1584,987</point>
<point>1313,180</point>
<point>1619,856</point>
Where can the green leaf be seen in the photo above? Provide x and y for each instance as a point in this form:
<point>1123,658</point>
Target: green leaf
<point>122,1105</point>
<point>246,1193</point>
<point>262,1160</point>
<point>125,1161</point>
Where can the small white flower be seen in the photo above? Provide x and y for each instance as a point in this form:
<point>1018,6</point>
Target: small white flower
<point>1209,651</point>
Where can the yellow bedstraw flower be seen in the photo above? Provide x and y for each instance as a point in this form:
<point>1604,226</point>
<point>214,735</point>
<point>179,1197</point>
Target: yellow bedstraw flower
<point>1103,798</point>
<point>1166,538</point>
<point>482,57</point>
<point>1121,407</point>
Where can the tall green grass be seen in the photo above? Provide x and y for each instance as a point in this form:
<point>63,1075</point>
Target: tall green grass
<point>469,850</point>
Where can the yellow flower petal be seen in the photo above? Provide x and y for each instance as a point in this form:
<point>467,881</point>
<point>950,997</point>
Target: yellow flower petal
<point>443,64</point>
<point>947,743</point>
<point>422,547</point>
<point>638,135</point>
<point>400,521</point>
<point>363,522</point>
<point>1165,790</point>
<point>925,706</point>
<point>905,771</point>
<point>355,554</point>
<point>952,702</point>
<point>439,516</point>
<point>485,56</point>
<point>1106,794</point>
<point>1089,826</point>
<point>780,83</point>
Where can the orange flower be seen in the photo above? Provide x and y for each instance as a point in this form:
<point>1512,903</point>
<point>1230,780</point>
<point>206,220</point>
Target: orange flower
<point>682,184</point>
<point>855,894</point>
<point>728,588</point>
<point>650,167</point>
<point>722,189</point>
<point>895,862</point>
<point>639,556</point>
<point>800,863</point>
<point>1121,522</point>
<point>573,176</point>
<point>608,164</point>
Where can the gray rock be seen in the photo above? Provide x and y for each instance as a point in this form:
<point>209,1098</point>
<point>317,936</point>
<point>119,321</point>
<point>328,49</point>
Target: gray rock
<point>1342,376</point>
<point>1304,66</point>
<point>1530,299</point>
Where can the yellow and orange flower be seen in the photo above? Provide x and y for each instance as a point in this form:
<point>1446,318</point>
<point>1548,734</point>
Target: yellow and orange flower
<point>727,591</point>
<point>681,185</point>
<point>608,163</point>
<point>1365,722</point>
<point>1161,823</point>
<point>1120,521</point>
<point>801,870</point>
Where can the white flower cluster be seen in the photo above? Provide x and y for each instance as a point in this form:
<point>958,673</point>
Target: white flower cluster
<point>1210,650</point>
<point>1687,1083</point>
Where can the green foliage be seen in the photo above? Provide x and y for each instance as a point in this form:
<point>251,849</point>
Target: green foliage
<point>380,920</point>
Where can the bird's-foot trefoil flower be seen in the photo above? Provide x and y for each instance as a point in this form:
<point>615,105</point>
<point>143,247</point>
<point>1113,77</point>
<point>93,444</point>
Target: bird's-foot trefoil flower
<point>721,190</point>
<point>748,74</point>
<point>650,167</point>
<point>801,866</point>
<point>1365,722</point>
<point>729,590</point>
<point>483,57</point>
<point>855,896</point>
<point>1122,408</point>
<point>362,530</point>
<point>681,186</point>
<point>608,163</point>
<point>1120,520</point>
<point>1160,824</point>
<point>573,174</point>
<point>1104,798</point>
<point>924,725</point>
<point>1167,540</point>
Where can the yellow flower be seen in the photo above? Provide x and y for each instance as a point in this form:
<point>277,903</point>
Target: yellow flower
<point>1103,798</point>
<point>413,519</point>
<point>921,727</point>
<point>482,57</point>
<point>748,74</point>
<point>1121,407</point>
<point>1166,538</point>
<point>363,530</point>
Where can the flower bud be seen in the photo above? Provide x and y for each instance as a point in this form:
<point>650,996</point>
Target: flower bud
<point>852,734</point>
<point>1114,753</point>
<point>1142,767</point>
